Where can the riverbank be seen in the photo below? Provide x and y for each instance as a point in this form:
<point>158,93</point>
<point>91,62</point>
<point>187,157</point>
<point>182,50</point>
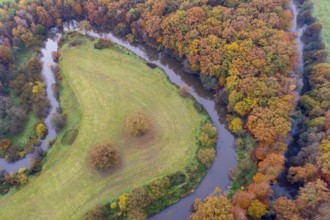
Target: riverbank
<point>123,80</point>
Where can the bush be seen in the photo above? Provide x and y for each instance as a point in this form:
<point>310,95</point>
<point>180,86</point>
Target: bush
<point>138,124</point>
<point>4,144</point>
<point>177,178</point>
<point>208,136</point>
<point>103,44</point>
<point>103,156</point>
<point>183,91</point>
<point>58,121</point>
<point>41,130</point>
<point>206,156</point>
<point>12,117</point>
<point>236,125</point>
<point>55,56</point>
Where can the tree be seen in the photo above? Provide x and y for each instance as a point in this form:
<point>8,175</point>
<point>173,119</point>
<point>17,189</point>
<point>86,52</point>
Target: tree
<point>262,190</point>
<point>23,34</point>
<point>243,199</point>
<point>306,173</point>
<point>44,17</point>
<point>41,130</point>
<point>272,165</point>
<point>236,125</point>
<point>239,214</point>
<point>206,156</point>
<point>58,121</point>
<point>215,206</point>
<point>11,117</point>
<point>6,55</point>
<point>103,156</point>
<point>267,124</point>
<point>208,136</point>
<point>138,123</point>
<point>313,194</point>
<point>286,209</point>
<point>4,144</point>
<point>257,209</point>
<point>137,201</point>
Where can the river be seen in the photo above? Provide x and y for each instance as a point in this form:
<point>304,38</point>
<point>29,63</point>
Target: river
<point>49,80</point>
<point>217,175</point>
<point>284,187</point>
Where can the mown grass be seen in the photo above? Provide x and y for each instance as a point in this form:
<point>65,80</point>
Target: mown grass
<point>100,88</point>
<point>321,12</point>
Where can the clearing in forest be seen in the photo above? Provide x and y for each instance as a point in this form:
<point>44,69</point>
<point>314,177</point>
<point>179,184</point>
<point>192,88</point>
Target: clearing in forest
<point>99,89</point>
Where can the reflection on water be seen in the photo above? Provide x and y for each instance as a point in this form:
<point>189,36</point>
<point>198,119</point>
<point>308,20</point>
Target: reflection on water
<point>283,187</point>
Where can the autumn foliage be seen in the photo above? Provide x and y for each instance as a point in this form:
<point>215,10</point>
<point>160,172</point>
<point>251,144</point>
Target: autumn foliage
<point>103,156</point>
<point>242,47</point>
<point>215,206</point>
<point>138,123</point>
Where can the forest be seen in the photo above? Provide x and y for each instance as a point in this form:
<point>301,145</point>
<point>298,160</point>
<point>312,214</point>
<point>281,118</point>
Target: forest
<point>242,50</point>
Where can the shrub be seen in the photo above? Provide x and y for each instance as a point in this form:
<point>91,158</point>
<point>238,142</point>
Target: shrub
<point>236,125</point>
<point>209,135</point>
<point>4,144</point>
<point>137,124</point>
<point>41,130</point>
<point>75,43</point>
<point>58,121</point>
<point>102,44</point>
<point>183,91</point>
<point>177,178</point>
<point>103,156</point>
<point>55,56</point>
<point>12,117</point>
<point>206,156</point>
<point>257,209</point>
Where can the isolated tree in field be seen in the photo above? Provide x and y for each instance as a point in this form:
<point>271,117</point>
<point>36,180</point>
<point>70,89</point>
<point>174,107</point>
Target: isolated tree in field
<point>138,123</point>
<point>103,156</point>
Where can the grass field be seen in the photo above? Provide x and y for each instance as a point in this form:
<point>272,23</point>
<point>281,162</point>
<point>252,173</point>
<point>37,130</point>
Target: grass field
<point>99,89</point>
<point>321,12</point>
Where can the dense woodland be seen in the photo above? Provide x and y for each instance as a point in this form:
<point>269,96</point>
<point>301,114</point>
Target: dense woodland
<point>243,49</point>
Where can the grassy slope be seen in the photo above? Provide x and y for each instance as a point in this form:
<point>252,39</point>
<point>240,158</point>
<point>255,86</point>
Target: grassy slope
<point>108,85</point>
<point>321,12</point>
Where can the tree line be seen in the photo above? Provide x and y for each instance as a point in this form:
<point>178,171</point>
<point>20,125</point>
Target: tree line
<point>242,48</point>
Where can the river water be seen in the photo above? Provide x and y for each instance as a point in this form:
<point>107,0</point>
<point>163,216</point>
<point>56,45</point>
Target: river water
<point>49,80</point>
<point>217,175</point>
<point>283,187</point>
